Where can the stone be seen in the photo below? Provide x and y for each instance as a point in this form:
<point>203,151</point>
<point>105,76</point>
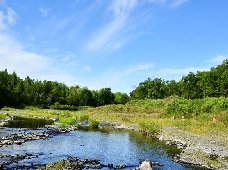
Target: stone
<point>145,165</point>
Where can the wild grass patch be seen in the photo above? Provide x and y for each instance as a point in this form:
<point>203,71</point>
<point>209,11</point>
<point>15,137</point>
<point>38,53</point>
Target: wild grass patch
<point>68,121</point>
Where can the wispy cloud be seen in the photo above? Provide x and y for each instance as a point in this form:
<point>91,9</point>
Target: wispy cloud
<point>178,72</point>
<point>218,59</point>
<point>7,17</point>
<point>104,37</point>
<point>44,11</point>
<point>139,67</point>
<point>177,3</point>
<point>15,58</point>
<point>115,33</point>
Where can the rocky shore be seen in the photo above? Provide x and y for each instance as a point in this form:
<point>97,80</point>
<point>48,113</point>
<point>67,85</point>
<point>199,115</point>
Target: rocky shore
<point>196,149</point>
<point>199,150</point>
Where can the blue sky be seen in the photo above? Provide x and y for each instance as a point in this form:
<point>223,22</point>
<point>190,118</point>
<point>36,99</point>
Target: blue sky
<point>111,43</point>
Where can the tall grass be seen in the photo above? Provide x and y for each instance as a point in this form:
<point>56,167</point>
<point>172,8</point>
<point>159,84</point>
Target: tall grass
<point>2,116</point>
<point>189,108</point>
<point>68,121</point>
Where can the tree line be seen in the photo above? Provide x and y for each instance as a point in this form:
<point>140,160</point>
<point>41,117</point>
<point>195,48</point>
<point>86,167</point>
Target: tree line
<point>17,92</point>
<point>213,83</point>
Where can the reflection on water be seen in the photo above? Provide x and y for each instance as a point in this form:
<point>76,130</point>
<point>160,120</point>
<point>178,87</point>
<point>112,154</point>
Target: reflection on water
<point>114,147</point>
<point>22,122</point>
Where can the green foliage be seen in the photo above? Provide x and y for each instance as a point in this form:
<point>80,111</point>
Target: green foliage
<point>83,107</point>
<point>58,106</point>
<point>94,124</point>
<point>2,116</point>
<point>7,109</point>
<point>188,108</point>
<point>68,121</point>
<point>121,98</point>
<point>105,96</point>
<point>84,118</point>
<point>16,92</point>
<point>151,128</point>
<point>150,89</point>
<point>198,85</point>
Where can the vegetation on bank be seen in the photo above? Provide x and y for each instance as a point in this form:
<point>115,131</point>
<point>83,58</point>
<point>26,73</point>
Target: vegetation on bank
<point>208,116</point>
<point>2,116</point>
<point>17,92</point>
<point>197,103</point>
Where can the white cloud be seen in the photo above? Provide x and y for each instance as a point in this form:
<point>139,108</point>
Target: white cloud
<point>139,67</point>
<point>11,16</point>
<point>15,58</point>
<point>158,1</point>
<point>180,71</point>
<point>7,17</point>
<point>44,11</point>
<point>218,59</point>
<point>115,33</point>
<point>177,3</point>
<point>106,35</point>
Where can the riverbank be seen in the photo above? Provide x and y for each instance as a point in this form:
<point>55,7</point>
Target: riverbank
<point>208,149</point>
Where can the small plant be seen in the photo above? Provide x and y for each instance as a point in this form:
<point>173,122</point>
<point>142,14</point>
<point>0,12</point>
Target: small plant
<point>58,106</point>
<point>84,118</point>
<point>94,124</point>
<point>68,121</point>
<point>2,116</point>
<point>7,109</point>
<point>151,128</point>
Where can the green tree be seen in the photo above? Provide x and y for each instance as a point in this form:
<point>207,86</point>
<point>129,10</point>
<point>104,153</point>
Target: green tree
<point>105,96</point>
<point>121,98</point>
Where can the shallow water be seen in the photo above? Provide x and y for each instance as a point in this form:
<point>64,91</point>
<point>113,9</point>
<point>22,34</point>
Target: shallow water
<point>116,147</point>
<point>22,122</point>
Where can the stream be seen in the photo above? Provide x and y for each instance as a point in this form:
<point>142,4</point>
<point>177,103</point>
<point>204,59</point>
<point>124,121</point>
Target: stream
<point>110,146</point>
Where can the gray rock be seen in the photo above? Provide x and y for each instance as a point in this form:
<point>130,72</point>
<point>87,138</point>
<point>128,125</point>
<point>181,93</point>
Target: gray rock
<point>145,165</point>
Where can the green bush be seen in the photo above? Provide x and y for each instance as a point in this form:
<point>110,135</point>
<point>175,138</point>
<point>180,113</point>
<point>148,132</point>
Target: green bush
<point>2,116</point>
<point>83,107</point>
<point>7,109</point>
<point>152,128</point>
<point>69,121</point>
<point>84,118</point>
<point>63,107</point>
<point>187,107</point>
<point>94,124</point>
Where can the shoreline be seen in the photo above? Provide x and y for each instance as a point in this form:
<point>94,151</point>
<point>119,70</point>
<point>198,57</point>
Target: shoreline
<point>199,150</point>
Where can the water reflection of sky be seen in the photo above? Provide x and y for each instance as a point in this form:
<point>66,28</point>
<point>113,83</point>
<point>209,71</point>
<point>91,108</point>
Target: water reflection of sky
<point>115,148</point>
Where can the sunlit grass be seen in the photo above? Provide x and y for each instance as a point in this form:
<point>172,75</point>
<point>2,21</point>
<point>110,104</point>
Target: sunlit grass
<point>68,121</point>
<point>2,116</point>
<point>151,114</point>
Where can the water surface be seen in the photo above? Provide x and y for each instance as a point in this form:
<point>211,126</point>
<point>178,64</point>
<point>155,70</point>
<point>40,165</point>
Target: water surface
<point>116,147</point>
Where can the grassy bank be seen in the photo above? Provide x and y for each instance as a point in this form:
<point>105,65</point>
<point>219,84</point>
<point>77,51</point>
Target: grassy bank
<point>2,116</point>
<point>208,116</point>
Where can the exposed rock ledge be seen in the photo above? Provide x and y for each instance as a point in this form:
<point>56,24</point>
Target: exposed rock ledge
<point>197,149</point>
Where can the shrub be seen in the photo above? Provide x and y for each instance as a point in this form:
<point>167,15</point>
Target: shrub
<point>83,107</point>
<point>152,128</point>
<point>94,124</point>
<point>69,121</point>
<point>7,108</point>
<point>2,116</point>
<point>186,107</point>
<point>58,106</point>
<point>84,118</point>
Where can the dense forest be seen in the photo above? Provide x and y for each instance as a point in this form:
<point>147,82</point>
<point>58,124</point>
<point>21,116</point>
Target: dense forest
<point>17,92</point>
<point>213,83</point>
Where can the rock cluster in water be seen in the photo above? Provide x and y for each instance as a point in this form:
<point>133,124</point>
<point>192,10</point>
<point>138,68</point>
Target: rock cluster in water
<point>21,138</point>
<point>76,163</point>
